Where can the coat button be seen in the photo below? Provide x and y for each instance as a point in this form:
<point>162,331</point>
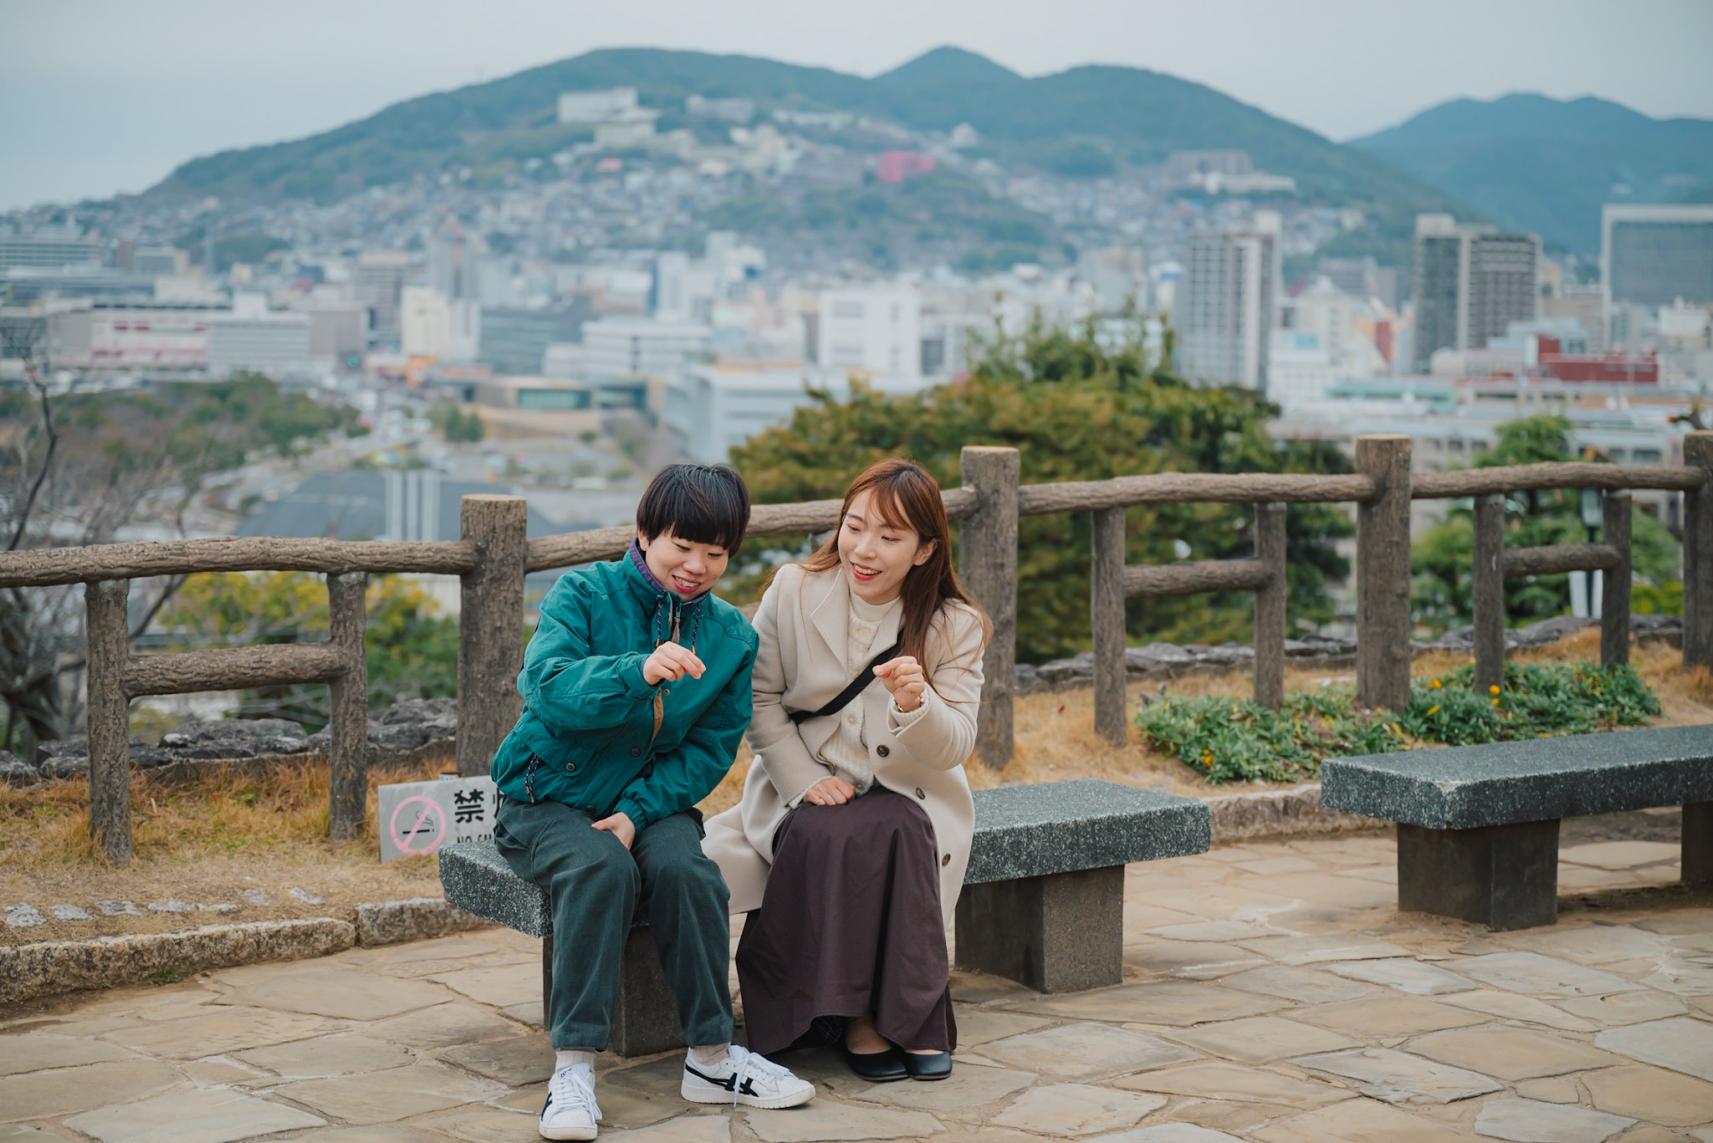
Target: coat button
<point>945,859</point>
<point>636,752</point>
<point>920,794</point>
<point>883,751</point>
<point>570,767</point>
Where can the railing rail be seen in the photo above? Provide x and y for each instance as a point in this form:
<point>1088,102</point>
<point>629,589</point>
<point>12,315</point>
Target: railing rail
<point>493,555</point>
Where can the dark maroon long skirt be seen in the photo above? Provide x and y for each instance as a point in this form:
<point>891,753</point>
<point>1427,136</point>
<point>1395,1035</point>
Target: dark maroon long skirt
<point>850,923</point>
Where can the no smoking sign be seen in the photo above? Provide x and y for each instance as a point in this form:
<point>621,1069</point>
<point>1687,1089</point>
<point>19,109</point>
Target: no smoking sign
<point>420,817</point>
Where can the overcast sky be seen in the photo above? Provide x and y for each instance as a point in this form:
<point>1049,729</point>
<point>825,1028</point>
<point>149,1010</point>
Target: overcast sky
<point>101,96</point>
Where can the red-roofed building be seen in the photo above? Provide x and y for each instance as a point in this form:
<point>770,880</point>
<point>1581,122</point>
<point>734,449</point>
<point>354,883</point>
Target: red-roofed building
<point>896,166</point>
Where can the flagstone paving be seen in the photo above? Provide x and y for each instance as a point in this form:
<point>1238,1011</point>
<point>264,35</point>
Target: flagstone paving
<point>1272,993</point>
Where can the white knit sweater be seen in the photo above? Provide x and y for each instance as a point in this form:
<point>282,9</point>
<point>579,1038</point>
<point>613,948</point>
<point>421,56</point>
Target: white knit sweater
<point>846,752</point>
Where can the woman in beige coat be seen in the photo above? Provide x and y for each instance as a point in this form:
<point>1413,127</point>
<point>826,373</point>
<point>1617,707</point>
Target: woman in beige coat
<point>854,829</point>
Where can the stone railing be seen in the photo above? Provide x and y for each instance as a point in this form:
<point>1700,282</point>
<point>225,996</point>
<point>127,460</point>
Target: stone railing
<point>494,554</point>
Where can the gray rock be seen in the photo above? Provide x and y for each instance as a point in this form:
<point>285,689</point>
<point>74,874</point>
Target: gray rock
<point>65,765</point>
<point>234,738</point>
<point>1542,779</point>
<point>24,915</point>
<point>69,913</point>
<point>118,909</point>
<point>303,895</point>
<point>1547,631</point>
<point>1169,654</point>
<point>16,771</point>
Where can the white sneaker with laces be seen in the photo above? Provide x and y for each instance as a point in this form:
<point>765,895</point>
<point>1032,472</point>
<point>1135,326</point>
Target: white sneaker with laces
<point>746,1078</point>
<point>570,1111</point>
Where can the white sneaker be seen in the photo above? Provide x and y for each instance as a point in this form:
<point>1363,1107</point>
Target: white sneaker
<point>570,1111</point>
<point>744,1077</point>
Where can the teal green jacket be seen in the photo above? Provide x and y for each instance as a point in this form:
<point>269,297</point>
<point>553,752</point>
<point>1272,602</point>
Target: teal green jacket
<point>588,735</point>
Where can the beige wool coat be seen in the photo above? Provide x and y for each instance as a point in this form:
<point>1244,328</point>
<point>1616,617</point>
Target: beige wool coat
<point>803,622</point>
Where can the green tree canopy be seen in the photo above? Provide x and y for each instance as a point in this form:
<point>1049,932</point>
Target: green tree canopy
<point>1079,405</point>
<point>1442,558</point>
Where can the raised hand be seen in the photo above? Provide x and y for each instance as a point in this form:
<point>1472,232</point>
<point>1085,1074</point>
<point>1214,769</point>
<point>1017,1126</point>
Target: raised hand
<point>905,679</point>
<point>669,663</point>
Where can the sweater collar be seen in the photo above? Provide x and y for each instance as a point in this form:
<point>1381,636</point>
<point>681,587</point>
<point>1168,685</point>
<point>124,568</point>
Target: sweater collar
<point>648,585</point>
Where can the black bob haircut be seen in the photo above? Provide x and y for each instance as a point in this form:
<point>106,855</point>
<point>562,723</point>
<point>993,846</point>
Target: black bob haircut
<point>700,503</point>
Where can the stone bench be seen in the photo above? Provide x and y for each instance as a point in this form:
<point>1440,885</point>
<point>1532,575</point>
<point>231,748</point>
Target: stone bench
<point>1043,901</point>
<point>1478,825</point>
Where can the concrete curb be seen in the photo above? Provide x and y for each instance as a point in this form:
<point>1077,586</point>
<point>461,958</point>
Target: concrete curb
<point>49,968</point>
<point>1270,813</point>
<point>413,919</point>
<point>31,972</point>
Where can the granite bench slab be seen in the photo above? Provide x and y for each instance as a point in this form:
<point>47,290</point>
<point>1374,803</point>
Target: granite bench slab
<point>1043,902</point>
<point>1020,831</point>
<point>1478,825</point>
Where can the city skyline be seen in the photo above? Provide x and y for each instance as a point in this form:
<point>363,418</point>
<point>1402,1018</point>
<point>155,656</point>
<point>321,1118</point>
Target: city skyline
<point>108,99</point>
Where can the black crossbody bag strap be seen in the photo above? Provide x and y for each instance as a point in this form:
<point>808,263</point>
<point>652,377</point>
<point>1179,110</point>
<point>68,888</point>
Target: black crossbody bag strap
<point>854,688</point>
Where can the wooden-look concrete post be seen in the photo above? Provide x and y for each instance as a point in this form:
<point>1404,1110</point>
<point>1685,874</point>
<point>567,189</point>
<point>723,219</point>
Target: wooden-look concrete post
<point>490,627</point>
<point>1383,574</point>
<point>987,561</point>
<point>1698,555</point>
<point>348,753</point>
<point>1106,621</point>
<point>107,637</point>
<point>1270,606</point>
<point>1489,592</point>
<point>1615,582</point>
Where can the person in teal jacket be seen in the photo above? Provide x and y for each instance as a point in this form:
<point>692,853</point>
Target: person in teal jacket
<point>636,692</point>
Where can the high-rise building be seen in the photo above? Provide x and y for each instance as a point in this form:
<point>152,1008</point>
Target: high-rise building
<point>49,249</point>
<point>1470,283</point>
<point>1657,255</point>
<point>515,341</point>
<point>1223,308</point>
<point>379,285</point>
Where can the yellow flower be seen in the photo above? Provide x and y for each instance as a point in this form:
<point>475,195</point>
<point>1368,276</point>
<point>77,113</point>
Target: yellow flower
<point>1434,709</point>
<point>1434,686</point>
<point>1494,689</point>
<point>1495,702</point>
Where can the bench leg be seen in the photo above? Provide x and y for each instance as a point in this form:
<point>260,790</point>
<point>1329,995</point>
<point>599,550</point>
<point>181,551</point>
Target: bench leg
<point>1504,877</point>
<point>1059,933</point>
<point>645,1016</point>
<point>1698,843</point>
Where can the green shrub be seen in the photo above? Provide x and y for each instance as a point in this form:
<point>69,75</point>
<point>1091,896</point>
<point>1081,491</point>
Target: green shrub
<point>1232,740</point>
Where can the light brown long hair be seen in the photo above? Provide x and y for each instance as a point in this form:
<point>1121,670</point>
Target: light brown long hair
<point>907,497</point>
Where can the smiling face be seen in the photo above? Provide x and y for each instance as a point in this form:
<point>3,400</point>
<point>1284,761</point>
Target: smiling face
<point>686,568</point>
<point>876,554</point>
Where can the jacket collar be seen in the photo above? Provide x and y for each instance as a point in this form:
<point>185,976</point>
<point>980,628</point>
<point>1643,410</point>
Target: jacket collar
<point>827,599</point>
<point>646,587</point>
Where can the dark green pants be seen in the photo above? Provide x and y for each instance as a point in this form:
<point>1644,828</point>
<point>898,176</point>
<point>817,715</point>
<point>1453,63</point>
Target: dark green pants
<point>595,887</point>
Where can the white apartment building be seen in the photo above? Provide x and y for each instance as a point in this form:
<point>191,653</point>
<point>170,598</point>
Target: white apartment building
<point>251,337</point>
<point>1224,308</point>
<point>710,408</point>
<point>621,347</point>
<point>875,329</point>
<point>431,325</point>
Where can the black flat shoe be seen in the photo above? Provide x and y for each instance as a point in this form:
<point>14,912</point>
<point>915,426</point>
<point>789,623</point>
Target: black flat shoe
<point>878,1067</point>
<point>935,1067</point>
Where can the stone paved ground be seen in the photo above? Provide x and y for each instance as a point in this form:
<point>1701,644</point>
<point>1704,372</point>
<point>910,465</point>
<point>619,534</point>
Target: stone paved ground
<point>1272,994</point>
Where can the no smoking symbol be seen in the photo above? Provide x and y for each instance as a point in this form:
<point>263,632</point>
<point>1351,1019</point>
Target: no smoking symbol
<point>417,810</point>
